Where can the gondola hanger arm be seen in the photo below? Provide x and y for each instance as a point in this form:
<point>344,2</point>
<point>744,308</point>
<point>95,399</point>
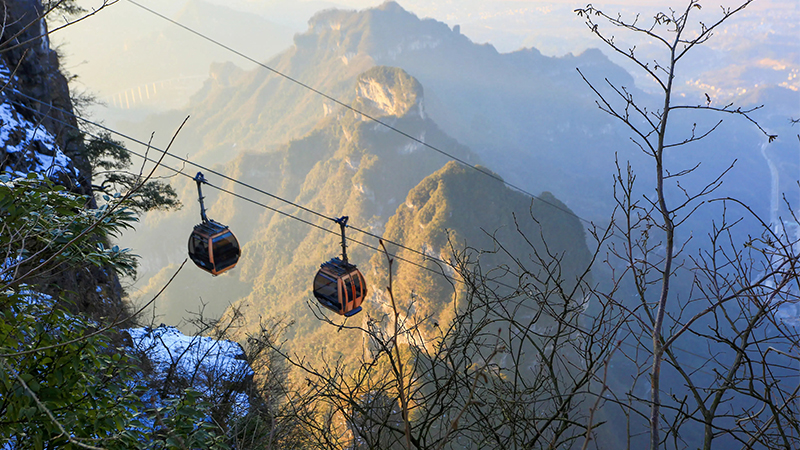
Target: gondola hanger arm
<point>342,221</point>
<point>200,179</point>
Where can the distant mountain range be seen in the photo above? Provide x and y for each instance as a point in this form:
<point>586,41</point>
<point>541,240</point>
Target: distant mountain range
<point>387,186</point>
<point>527,117</point>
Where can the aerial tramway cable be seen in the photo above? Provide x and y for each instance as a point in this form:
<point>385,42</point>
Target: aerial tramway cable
<point>438,261</point>
<point>226,177</point>
<point>441,273</point>
<point>234,194</point>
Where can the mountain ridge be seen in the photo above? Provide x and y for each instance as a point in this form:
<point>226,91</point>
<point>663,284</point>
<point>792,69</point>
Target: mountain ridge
<point>507,107</point>
<point>354,167</point>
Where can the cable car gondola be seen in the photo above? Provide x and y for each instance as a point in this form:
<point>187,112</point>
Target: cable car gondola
<point>212,246</point>
<point>339,285</point>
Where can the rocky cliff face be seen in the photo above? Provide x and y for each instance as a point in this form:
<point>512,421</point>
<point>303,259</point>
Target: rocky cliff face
<point>38,136</point>
<point>39,139</point>
<point>389,91</point>
<point>39,131</point>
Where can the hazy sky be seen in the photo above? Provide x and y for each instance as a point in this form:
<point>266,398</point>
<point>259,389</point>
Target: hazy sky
<point>550,26</point>
<point>498,18</point>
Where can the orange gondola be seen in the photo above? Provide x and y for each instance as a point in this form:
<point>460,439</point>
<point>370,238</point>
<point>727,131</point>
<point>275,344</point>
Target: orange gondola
<point>212,246</point>
<point>339,285</point>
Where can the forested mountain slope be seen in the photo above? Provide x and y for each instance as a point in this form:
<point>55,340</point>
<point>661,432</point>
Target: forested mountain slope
<point>354,167</point>
<point>462,217</point>
<point>345,166</point>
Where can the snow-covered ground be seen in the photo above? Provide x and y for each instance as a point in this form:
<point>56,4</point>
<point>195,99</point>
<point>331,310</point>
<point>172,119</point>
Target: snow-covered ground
<point>210,366</point>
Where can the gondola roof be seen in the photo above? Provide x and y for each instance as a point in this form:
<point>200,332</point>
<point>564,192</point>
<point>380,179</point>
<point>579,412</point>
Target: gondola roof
<point>338,267</point>
<point>210,227</point>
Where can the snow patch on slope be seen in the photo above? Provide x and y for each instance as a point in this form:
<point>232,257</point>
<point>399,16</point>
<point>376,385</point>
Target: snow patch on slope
<point>32,148</point>
<point>210,365</point>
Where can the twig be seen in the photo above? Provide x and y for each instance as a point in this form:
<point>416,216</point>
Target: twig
<point>47,411</point>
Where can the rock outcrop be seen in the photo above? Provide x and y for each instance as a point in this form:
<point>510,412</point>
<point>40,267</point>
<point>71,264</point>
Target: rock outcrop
<point>39,127</point>
<point>39,137</point>
<point>389,91</point>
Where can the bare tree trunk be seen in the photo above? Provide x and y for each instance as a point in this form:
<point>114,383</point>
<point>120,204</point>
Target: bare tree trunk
<point>669,232</point>
<point>649,132</point>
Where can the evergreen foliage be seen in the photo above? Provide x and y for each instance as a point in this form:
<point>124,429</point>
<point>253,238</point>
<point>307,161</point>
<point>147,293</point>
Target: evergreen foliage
<point>111,162</point>
<point>65,381</point>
